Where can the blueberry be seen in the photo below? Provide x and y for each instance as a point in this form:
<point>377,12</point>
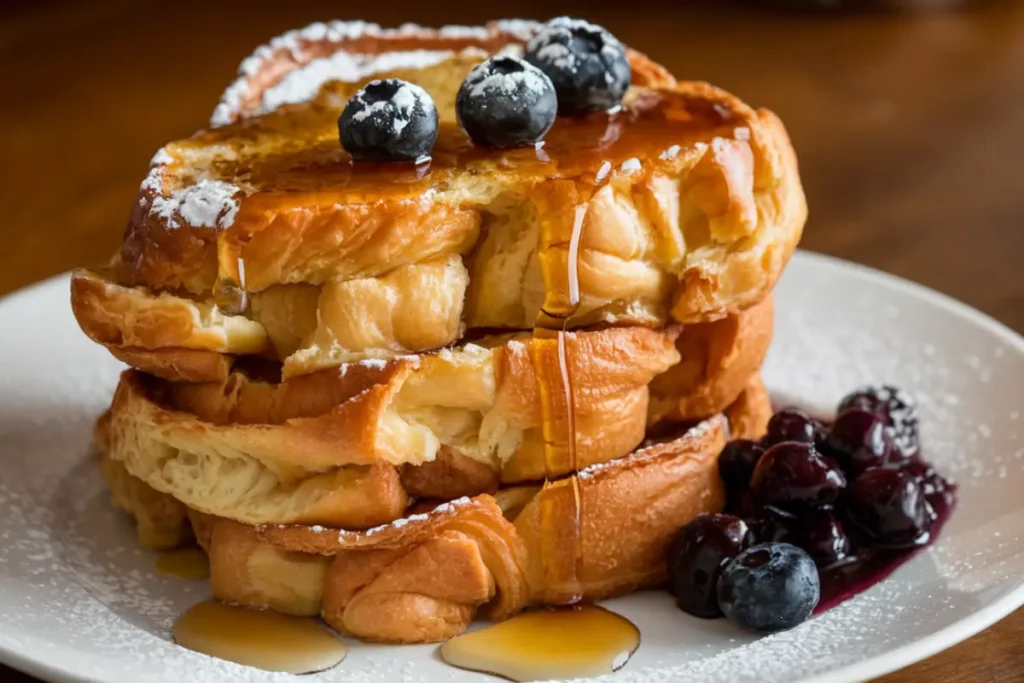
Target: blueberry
<point>890,507</point>
<point>586,63</point>
<point>860,439</point>
<point>389,120</point>
<point>696,557</point>
<point>505,102</point>
<point>769,587</point>
<point>896,407</point>
<point>790,424</point>
<point>771,524</point>
<point>736,463</point>
<point>795,475</point>
<point>821,534</point>
<point>939,492</point>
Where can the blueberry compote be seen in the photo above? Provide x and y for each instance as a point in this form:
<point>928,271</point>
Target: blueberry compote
<point>854,496</point>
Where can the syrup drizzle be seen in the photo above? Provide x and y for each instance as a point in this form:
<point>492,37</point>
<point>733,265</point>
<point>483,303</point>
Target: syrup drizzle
<point>263,639</point>
<point>568,642</point>
<point>577,639</point>
<point>229,291</point>
<point>190,564</point>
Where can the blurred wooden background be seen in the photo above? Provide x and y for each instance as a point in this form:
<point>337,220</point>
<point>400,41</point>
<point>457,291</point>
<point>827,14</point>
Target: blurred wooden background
<point>909,129</point>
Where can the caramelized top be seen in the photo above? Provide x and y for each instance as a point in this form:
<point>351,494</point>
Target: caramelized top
<point>297,150</point>
<point>273,198</point>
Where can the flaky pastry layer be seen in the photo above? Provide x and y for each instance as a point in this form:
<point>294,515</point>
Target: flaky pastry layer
<point>459,421</point>
<point>426,578</point>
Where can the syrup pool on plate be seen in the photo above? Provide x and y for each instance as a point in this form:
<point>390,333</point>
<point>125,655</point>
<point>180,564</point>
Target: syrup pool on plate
<point>263,639</point>
<point>190,564</point>
<point>561,643</point>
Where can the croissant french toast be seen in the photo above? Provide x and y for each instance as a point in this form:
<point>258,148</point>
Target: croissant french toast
<point>259,237</point>
<point>400,359</point>
<point>426,578</point>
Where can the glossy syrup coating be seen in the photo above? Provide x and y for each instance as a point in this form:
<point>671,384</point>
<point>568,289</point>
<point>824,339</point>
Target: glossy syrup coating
<point>790,424</point>
<point>896,407</point>
<point>794,475</point>
<point>859,439</point>
<point>890,507</point>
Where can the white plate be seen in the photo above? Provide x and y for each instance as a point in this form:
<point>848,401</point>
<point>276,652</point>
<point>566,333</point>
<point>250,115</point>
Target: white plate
<point>78,599</point>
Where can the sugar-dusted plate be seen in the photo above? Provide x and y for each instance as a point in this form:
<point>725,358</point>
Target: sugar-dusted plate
<point>79,599</point>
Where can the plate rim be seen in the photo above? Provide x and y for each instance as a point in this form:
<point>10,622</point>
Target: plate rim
<point>30,657</point>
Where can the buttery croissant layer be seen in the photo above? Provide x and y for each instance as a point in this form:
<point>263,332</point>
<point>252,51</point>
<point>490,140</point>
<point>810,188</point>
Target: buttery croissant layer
<point>426,578</point>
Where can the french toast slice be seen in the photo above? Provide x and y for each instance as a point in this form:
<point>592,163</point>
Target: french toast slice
<point>688,204</point>
<point>458,421</point>
<point>351,448</point>
<point>498,552</point>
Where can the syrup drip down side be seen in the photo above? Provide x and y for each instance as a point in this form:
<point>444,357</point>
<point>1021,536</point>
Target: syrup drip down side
<point>574,640</point>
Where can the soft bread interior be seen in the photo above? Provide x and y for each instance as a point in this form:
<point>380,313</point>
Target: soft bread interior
<point>326,446</point>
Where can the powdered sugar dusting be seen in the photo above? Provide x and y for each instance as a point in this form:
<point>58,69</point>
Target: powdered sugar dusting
<point>484,80</point>
<point>206,204</point>
<point>644,453</point>
<point>302,83</point>
<point>443,509</point>
<point>397,110</point>
<point>550,45</point>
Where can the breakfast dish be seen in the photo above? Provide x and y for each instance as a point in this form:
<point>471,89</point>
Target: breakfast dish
<point>80,598</point>
<point>435,326</point>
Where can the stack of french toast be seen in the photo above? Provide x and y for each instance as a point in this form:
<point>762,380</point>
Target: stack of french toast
<point>402,396</point>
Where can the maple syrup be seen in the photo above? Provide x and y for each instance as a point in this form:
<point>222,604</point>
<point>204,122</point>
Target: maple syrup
<point>190,564</point>
<point>229,290</point>
<point>263,639</point>
<point>569,642</point>
<point>573,640</point>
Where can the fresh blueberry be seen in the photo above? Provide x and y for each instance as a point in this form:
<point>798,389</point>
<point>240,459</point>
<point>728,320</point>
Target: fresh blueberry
<point>790,424</point>
<point>890,507</point>
<point>795,475</point>
<point>896,407</point>
<point>506,102</point>
<point>696,557</point>
<point>860,439</point>
<point>769,587</point>
<point>736,463</point>
<point>389,120</point>
<point>586,63</point>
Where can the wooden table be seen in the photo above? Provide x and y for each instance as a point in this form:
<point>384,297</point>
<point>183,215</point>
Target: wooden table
<point>910,131</point>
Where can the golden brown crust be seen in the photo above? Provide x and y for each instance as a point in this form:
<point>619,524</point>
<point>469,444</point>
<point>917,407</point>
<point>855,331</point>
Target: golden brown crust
<point>698,178</point>
<point>128,317</point>
<point>424,580</point>
<point>177,365</point>
<point>748,415</point>
<point>388,583</point>
<point>717,360</point>
<point>710,286</point>
<point>323,448</point>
